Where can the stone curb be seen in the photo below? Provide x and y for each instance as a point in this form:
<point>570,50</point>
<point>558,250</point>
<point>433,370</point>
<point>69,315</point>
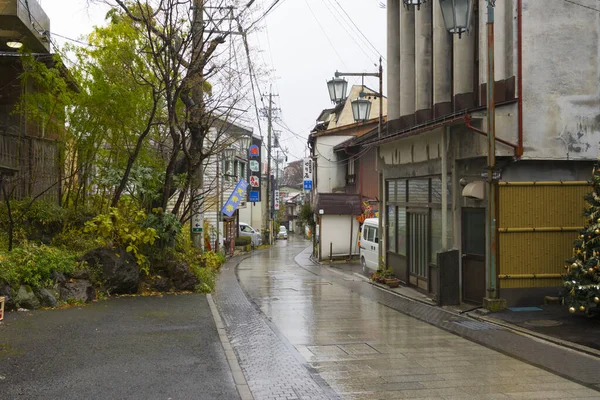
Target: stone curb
<point>236,371</point>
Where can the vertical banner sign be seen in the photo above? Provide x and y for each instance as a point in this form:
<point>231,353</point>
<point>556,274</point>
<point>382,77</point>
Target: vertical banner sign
<point>276,199</point>
<point>254,170</point>
<point>236,197</point>
<point>197,220</point>
<point>308,182</point>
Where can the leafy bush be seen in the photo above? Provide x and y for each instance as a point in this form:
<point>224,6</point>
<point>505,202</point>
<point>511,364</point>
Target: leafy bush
<point>210,259</point>
<point>121,228</point>
<point>184,248</point>
<point>33,265</point>
<point>243,240</point>
<point>75,240</point>
<point>166,225</point>
<point>306,215</point>
<point>34,220</point>
<point>207,278</point>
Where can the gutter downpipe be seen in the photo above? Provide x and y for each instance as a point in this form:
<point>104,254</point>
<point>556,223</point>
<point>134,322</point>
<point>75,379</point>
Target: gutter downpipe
<point>468,119</point>
<point>382,238</point>
<point>519,150</point>
<point>491,236</point>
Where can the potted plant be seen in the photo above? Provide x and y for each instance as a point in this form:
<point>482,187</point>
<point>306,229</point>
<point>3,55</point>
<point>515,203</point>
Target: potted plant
<point>390,279</point>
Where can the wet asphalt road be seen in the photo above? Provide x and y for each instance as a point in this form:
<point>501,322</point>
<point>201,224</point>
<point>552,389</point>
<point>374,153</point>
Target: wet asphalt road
<point>125,348</point>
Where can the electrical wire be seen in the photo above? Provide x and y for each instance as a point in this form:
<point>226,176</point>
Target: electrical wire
<point>325,33</point>
<point>582,5</point>
<point>349,33</point>
<point>359,31</point>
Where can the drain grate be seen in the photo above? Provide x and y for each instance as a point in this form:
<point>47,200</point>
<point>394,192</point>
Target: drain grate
<point>477,325</point>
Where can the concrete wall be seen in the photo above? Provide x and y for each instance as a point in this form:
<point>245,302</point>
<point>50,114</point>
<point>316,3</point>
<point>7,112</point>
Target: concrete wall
<point>331,172</point>
<point>561,80</point>
<point>415,149</point>
<point>336,229</point>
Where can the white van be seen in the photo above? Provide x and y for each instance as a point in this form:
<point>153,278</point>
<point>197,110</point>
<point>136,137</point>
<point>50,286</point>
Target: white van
<point>247,230</point>
<point>369,245</point>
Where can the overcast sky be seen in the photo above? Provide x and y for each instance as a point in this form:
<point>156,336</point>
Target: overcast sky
<point>303,41</point>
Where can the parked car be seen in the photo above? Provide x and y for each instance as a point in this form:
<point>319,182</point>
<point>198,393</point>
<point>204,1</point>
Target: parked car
<point>247,230</point>
<point>368,244</point>
<point>283,233</point>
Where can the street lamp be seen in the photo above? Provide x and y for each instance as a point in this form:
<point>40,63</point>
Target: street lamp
<point>337,89</point>
<point>245,142</point>
<point>417,3</point>
<point>457,16</point>
<point>361,108</point>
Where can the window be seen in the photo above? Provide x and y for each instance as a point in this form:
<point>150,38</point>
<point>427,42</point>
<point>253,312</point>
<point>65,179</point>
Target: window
<point>351,166</point>
<point>401,190</point>
<point>391,225</point>
<point>436,190</point>
<point>242,170</point>
<point>401,224</point>
<point>418,191</point>
<point>391,194</point>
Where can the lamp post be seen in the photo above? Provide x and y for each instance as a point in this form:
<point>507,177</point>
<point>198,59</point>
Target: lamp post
<point>457,18</point>
<point>361,108</point>
<point>417,3</point>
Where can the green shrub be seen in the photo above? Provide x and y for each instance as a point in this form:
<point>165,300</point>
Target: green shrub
<point>243,240</point>
<point>74,239</point>
<point>33,265</point>
<point>184,248</point>
<point>210,259</point>
<point>37,220</point>
<point>207,278</point>
<point>166,225</point>
<point>121,228</point>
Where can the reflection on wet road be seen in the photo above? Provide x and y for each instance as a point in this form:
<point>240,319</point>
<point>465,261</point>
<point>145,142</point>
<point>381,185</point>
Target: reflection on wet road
<point>364,350</point>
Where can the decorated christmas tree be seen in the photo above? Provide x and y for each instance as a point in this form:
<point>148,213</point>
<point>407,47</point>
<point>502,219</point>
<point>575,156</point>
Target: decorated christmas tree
<point>582,279</point>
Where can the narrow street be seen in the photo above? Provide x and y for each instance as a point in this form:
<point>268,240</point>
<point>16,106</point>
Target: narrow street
<point>302,331</point>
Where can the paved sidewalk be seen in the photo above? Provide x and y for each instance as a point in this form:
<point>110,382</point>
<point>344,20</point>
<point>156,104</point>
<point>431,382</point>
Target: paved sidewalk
<point>550,322</point>
<point>273,370</point>
<point>351,334</point>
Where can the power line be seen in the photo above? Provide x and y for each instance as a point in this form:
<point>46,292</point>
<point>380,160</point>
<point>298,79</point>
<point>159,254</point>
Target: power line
<point>582,5</point>
<point>75,40</point>
<point>359,31</point>
<point>325,33</point>
<point>344,27</point>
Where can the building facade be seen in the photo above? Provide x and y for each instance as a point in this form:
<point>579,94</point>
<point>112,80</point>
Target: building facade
<point>434,151</point>
<point>336,193</point>
<point>30,150</point>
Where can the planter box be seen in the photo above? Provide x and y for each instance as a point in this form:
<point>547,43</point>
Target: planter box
<point>392,282</point>
<point>1,308</point>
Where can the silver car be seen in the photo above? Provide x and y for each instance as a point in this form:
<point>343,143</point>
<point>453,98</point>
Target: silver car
<point>247,230</point>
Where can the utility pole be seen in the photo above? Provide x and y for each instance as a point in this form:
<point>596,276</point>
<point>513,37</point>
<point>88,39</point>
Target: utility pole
<point>269,129</point>
<point>197,179</point>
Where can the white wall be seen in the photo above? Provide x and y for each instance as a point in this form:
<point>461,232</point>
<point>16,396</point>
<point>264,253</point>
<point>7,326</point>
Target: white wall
<point>331,172</point>
<point>336,230</point>
<point>561,80</point>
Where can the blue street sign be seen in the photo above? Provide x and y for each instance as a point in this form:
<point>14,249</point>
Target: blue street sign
<point>254,196</point>
<point>307,185</point>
